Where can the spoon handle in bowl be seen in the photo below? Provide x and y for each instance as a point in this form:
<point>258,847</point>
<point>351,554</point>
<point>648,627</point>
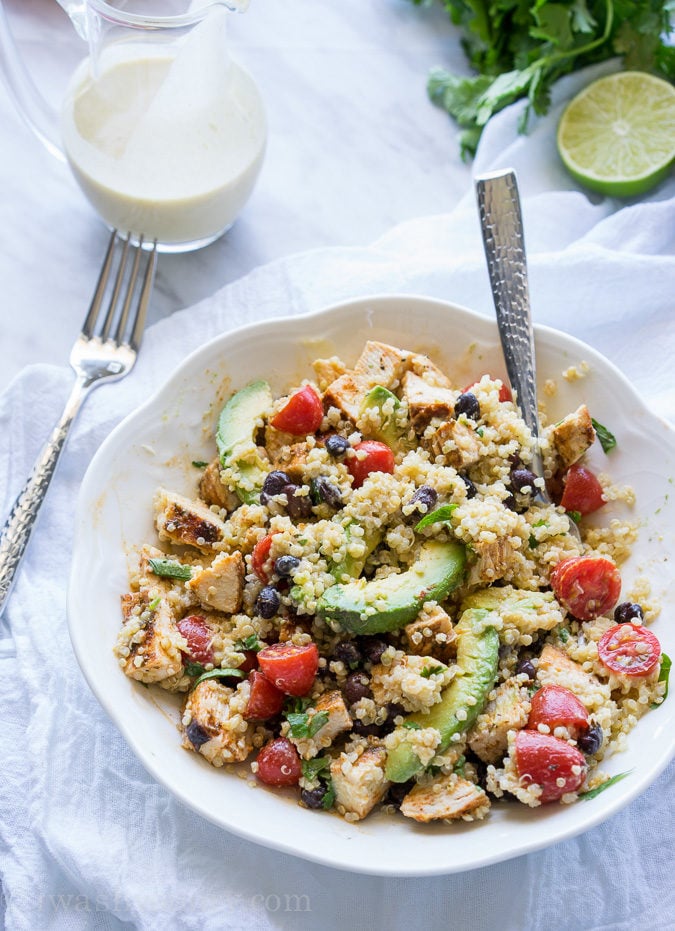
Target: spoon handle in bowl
<point>502,229</point>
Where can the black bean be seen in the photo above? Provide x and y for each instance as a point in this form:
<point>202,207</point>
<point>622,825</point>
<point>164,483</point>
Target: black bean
<point>471,490</point>
<point>398,791</point>
<point>324,491</point>
<point>348,653</point>
<point>510,503</point>
<point>627,612</point>
<point>523,478</point>
<point>286,565</point>
<point>591,741</point>
<point>267,602</point>
<point>526,666</point>
<point>367,730</point>
<point>373,648</point>
<point>468,405</point>
<point>313,798</point>
<point>393,711</point>
<point>196,734</point>
<point>337,445</point>
<point>275,482</point>
<point>426,497</point>
<point>356,687</point>
<point>298,506</point>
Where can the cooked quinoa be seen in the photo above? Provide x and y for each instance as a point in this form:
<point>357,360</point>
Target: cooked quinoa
<point>368,597</point>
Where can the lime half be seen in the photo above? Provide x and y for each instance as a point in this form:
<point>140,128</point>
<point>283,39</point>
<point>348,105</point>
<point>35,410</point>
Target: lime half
<point>618,135</point>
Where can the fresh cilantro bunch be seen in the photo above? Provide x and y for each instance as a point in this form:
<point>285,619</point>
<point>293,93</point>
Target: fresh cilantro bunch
<point>520,47</point>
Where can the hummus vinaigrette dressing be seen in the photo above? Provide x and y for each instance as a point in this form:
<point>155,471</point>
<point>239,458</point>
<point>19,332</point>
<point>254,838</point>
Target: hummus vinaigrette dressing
<point>168,145</point>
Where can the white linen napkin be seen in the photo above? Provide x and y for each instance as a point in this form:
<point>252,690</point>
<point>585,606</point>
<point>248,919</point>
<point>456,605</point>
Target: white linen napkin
<point>87,838</point>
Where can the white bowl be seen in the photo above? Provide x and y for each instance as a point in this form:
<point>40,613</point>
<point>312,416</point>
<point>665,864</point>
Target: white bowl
<point>156,445</point>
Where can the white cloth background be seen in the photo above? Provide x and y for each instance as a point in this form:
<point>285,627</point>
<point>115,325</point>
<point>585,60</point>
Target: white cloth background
<point>87,838</point>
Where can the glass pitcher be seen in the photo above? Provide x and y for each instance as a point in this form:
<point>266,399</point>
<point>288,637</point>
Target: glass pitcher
<point>163,131</point>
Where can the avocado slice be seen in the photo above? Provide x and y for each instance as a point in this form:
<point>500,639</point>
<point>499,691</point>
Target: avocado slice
<point>235,439</point>
<point>352,565</point>
<point>374,607</point>
<point>390,432</point>
<point>462,701</point>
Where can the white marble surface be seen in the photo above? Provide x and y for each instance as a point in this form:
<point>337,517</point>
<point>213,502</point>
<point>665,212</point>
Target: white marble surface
<point>355,147</point>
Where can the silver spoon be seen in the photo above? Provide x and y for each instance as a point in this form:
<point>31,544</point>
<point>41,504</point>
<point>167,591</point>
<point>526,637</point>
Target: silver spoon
<point>502,228</point>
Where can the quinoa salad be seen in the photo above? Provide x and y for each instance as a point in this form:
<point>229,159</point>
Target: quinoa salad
<point>369,598</point>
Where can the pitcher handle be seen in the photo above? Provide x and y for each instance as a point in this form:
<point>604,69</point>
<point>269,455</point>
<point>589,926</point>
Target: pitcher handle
<point>31,105</point>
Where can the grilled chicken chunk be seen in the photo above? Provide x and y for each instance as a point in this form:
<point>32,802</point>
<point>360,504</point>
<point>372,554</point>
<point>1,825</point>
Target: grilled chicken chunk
<point>221,585</point>
<point>216,727</point>
<point>445,798</point>
<point>182,521</point>
<point>359,786</point>
<point>573,436</point>
<point>339,720</point>
<point>426,401</point>
<point>380,364</point>
<point>432,633</point>
<point>212,490</point>
<point>456,441</point>
<point>149,645</point>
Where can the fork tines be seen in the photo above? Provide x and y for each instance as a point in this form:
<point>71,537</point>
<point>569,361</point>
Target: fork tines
<point>133,280</point>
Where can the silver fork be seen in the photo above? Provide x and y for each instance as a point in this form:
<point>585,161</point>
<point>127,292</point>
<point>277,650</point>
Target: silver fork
<point>105,351</point>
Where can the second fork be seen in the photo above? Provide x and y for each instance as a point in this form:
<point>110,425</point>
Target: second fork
<point>96,357</point>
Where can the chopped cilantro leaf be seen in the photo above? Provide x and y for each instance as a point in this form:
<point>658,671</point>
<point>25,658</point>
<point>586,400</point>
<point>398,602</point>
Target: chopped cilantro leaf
<point>412,725</point>
<point>312,769</point>
<point>430,671</point>
<point>305,725</point>
<point>248,643</point>
<point>664,675</point>
<point>199,463</point>
<point>604,785</point>
<point>194,669</point>
<point>329,798</point>
<point>229,672</point>
<point>440,515</point>
<point>607,439</point>
<point>575,516</point>
<point>170,569</point>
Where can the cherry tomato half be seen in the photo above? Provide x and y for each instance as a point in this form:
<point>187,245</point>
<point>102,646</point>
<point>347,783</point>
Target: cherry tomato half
<point>504,391</point>
<point>198,635</point>
<point>279,763</point>
<point>265,700</point>
<point>290,667</point>
<point>260,555</point>
<point>629,650</point>
<point>587,586</point>
<point>378,458</point>
<point>542,760</point>
<point>301,414</point>
<point>556,706</point>
<point>582,491</point>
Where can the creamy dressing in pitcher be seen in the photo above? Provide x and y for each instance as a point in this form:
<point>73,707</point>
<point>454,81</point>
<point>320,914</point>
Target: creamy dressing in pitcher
<point>166,145</point>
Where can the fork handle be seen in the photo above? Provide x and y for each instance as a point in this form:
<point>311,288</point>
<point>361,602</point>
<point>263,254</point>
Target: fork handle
<point>19,525</point>
<point>502,229</point>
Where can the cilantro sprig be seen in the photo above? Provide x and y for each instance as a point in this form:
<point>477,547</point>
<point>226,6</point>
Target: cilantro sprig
<point>519,48</point>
